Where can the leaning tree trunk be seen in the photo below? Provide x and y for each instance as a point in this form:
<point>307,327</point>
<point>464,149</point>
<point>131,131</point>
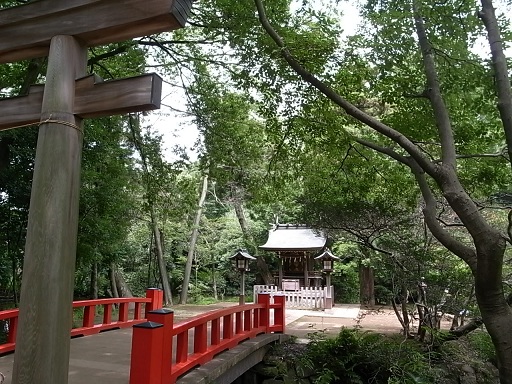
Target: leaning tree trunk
<point>261,264</point>
<point>193,241</point>
<point>122,286</point>
<point>160,259</point>
<point>112,278</point>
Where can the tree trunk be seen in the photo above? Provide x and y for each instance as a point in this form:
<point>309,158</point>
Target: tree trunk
<point>366,286</point>
<point>112,278</point>
<point>261,264</point>
<point>193,241</point>
<point>463,330</point>
<point>214,283</point>
<point>94,281</point>
<point>122,287</point>
<point>495,311</point>
<point>404,297</point>
<point>402,317</point>
<point>160,259</point>
<point>488,273</point>
<point>501,70</point>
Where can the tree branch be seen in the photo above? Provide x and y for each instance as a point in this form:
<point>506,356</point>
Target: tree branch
<point>439,108</point>
<point>466,253</point>
<point>463,330</point>
<point>501,72</point>
<point>348,107</point>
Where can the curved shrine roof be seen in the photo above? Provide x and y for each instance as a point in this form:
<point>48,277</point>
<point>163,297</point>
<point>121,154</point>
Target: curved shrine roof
<point>291,237</point>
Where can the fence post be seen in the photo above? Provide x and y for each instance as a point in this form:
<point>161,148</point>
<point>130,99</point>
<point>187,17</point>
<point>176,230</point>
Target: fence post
<point>166,318</point>
<point>279,312</point>
<point>146,360</point>
<point>264,298</point>
<point>156,296</point>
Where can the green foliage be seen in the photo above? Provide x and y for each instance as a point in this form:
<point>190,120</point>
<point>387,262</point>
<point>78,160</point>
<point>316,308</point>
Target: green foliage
<point>481,342</point>
<point>363,357</point>
<point>346,282</point>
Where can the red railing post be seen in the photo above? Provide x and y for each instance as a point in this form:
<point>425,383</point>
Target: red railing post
<point>200,338</point>
<point>13,329</point>
<point>156,296</point>
<point>137,311</point>
<point>107,313</point>
<point>247,320</point>
<point>123,312</point>
<point>239,326</point>
<point>227,327</point>
<point>215,332</point>
<point>279,314</point>
<point>89,314</point>
<point>165,317</point>
<point>264,298</point>
<point>146,360</point>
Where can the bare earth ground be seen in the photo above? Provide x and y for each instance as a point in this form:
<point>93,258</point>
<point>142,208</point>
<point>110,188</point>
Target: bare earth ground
<point>300,323</point>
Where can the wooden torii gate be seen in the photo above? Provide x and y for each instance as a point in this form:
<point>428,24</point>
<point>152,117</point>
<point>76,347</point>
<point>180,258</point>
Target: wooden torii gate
<point>63,29</point>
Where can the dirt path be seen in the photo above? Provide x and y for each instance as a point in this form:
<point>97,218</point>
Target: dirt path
<point>380,319</point>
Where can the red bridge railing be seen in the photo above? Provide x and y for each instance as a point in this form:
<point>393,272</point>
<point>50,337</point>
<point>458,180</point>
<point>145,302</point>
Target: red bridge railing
<point>122,317</point>
<point>161,351</point>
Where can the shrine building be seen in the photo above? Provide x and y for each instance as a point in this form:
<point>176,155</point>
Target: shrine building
<point>296,246</point>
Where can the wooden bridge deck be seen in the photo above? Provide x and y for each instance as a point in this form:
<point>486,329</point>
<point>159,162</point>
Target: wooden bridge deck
<point>102,358</point>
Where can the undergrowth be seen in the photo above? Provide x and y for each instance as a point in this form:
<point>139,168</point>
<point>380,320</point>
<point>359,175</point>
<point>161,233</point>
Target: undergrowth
<point>356,357</point>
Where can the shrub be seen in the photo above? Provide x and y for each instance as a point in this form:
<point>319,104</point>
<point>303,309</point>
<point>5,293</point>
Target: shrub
<point>355,357</point>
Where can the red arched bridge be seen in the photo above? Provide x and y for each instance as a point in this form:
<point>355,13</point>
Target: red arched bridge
<point>163,351</point>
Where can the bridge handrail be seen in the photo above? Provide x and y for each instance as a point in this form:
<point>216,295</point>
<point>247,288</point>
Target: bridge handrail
<point>152,301</point>
<point>153,359</point>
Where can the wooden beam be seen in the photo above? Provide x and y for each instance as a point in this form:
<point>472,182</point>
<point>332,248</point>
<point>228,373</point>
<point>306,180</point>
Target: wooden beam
<point>26,30</point>
<point>93,98</point>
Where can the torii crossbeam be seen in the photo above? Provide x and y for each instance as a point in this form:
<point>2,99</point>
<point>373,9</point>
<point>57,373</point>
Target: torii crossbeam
<point>63,29</point>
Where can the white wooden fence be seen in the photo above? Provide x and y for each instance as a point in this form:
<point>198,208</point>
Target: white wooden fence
<point>303,298</point>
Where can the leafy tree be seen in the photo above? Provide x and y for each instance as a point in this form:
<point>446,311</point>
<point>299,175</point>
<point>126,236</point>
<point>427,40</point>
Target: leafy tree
<point>408,87</point>
<point>485,257</point>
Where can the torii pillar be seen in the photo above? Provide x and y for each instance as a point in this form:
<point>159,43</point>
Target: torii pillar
<point>63,29</point>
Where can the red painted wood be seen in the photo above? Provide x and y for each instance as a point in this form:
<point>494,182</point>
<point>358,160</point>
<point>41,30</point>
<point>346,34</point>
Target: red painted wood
<point>239,325</point>
<point>251,320</point>
<point>165,317</point>
<point>227,326</point>
<point>247,321</point>
<point>146,357</point>
<point>156,299</point>
<point>200,338</point>
<point>256,318</point>
<point>215,332</point>
<point>123,312</point>
<point>137,311</point>
<point>88,324</point>
<point>182,347</point>
<point>89,313</point>
<point>279,314</point>
<point>265,311</point>
<point>107,313</point>
<point>10,315</point>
